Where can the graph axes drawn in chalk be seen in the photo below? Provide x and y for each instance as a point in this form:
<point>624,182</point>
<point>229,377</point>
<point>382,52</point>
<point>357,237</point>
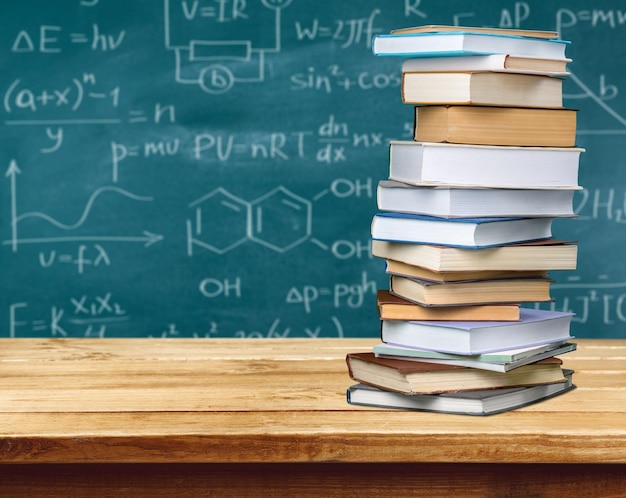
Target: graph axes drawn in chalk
<point>146,237</point>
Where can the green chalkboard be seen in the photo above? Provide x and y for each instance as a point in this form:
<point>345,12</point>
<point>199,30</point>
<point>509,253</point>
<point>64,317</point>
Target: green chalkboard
<point>207,168</point>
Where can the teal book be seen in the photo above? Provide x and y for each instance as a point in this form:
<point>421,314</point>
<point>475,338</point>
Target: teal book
<point>438,44</point>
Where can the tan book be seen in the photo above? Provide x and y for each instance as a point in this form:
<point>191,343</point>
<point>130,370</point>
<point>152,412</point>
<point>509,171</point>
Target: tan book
<point>483,125</point>
<point>407,270</point>
<point>435,28</point>
<point>392,307</point>
<point>513,290</point>
<point>482,88</point>
<point>540,255</point>
<point>415,377</point>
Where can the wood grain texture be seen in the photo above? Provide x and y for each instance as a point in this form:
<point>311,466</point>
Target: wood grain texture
<point>275,401</point>
<point>315,480</point>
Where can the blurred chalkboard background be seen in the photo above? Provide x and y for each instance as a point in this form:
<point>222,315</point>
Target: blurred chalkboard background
<point>207,168</point>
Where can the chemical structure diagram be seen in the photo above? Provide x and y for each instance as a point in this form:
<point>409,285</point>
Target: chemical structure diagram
<point>279,220</point>
<point>200,35</point>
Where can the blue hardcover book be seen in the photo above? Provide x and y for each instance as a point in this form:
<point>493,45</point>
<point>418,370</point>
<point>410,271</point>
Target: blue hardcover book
<point>471,233</point>
<point>439,44</point>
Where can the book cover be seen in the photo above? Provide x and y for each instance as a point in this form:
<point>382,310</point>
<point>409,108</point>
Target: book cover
<point>416,377</point>
<point>392,307</point>
<point>493,166</point>
<point>500,361</point>
<point>547,254</point>
<point>438,28</point>
<point>535,327</point>
<point>495,62</point>
<point>484,402</point>
<point>463,293</point>
<point>394,267</point>
<point>458,232</point>
<point>481,88</point>
<point>491,125</point>
<point>459,202</point>
<point>437,44</point>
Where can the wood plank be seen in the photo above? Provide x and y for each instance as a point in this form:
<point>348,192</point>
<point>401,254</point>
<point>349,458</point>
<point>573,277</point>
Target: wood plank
<point>181,387</point>
<point>370,435</point>
<point>314,480</point>
<point>191,349</point>
<point>182,349</point>
<point>326,392</point>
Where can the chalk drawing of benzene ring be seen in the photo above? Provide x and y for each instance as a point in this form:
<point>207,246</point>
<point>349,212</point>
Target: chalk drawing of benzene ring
<point>279,220</point>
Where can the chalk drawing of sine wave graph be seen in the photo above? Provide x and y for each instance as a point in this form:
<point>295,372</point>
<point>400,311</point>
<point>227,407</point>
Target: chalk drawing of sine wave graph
<point>57,231</point>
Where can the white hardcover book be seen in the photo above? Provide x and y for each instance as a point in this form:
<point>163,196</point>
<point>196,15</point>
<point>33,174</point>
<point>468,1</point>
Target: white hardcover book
<point>534,328</point>
<point>492,166</point>
<point>459,202</point>
<point>458,232</point>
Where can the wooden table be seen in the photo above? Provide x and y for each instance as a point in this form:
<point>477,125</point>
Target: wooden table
<point>246,417</point>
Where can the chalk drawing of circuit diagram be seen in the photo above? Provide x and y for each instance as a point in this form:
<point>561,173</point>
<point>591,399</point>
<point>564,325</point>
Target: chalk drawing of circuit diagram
<point>207,38</point>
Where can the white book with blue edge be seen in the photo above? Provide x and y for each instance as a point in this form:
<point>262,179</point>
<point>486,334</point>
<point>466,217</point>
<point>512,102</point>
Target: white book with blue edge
<point>438,44</point>
<point>458,232</point>
<point>535,327</point>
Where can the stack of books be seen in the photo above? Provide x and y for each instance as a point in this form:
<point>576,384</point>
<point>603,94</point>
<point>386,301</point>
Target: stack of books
<point>465,225</point>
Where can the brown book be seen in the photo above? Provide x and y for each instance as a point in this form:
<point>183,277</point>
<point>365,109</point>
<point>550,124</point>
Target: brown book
<point>439,28</point>
<point>510,290</point>
<point>392,307</point>
<point>540,255</point>
<point>482,88</point>
<point>483,125</point>
<point>415,377</point>
<point>407,270</point>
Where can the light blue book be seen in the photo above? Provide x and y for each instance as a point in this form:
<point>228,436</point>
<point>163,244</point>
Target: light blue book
<point>439,44</point>
<point>470,233</point>
<point>470,338</point>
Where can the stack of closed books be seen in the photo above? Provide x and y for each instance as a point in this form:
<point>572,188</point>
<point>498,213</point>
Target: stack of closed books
<point>465,225</point>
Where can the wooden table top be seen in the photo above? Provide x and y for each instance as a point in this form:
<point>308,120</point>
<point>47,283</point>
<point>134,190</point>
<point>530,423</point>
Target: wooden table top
<point>275,400</point>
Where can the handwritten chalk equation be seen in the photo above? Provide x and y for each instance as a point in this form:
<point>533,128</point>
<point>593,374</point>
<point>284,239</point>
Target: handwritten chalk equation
<point>80,316</point>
